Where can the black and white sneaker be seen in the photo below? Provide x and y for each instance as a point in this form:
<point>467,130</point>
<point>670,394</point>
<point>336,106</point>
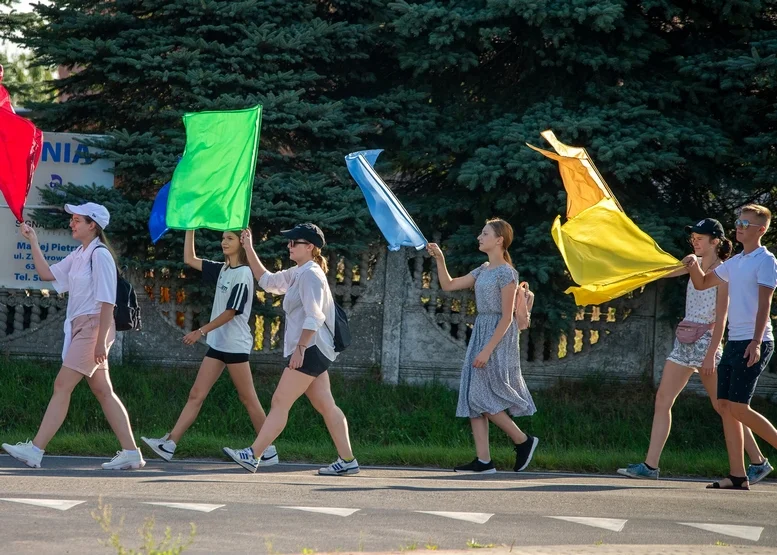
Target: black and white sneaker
<point>476,467</point>
<point>164,446</point>
<point>243,457</point>
<point>269,457</point>
<point>524,452</point>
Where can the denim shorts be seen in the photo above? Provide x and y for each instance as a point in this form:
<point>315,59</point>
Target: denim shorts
<point>737,380</point>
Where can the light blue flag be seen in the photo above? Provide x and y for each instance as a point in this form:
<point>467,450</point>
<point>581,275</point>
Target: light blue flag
<point>397,226</point>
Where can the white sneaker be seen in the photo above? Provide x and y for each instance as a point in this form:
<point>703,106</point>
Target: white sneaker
<point>125,460</point>
<point>25,452</point>
<point>269,457</point>
<point>243,457</point>
<point>340,468</point>
<point>164,447</point>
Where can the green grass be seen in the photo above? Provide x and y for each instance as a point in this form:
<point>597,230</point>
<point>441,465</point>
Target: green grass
<point>591,426</point>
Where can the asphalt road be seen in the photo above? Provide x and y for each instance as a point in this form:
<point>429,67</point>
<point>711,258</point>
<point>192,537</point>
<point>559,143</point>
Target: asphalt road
<point>290,509</point>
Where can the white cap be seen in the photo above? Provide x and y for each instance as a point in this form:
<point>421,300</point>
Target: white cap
<point>97,212</point>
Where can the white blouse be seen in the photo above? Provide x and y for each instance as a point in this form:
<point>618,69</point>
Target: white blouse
<point>308,305</point>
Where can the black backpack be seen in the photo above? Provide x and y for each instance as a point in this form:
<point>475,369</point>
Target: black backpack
<point>342,334</point>
<point>126,313</point>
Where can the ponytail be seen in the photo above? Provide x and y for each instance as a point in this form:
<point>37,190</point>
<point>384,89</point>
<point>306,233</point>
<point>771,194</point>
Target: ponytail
<point>505,231</point>
<point>319,259</point>
<point>103,239</point>
<point>725,248</point>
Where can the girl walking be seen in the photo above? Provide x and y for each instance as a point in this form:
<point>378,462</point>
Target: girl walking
<point>492,388</point>
<point>88,275</point>
<point>308,343</point>
<point>229,339</point>
<point>697,348</point>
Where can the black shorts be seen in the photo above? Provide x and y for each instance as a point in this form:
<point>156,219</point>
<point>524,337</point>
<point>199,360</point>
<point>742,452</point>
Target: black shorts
<point>227,358</point>
<point>737,380</point>
<point>314,363</point>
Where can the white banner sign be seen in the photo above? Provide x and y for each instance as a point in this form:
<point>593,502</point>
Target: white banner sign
<point>63,160</point>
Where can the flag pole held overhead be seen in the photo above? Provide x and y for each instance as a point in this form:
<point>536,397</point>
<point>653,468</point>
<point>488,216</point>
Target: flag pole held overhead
<point>394,222</point>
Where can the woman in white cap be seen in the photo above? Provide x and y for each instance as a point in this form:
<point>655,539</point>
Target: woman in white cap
<point>308,344</point>
<point>88,275</point>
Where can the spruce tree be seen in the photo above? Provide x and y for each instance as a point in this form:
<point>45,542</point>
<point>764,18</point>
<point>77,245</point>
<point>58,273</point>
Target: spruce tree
<point>674,100</point>
<point>139,66</point>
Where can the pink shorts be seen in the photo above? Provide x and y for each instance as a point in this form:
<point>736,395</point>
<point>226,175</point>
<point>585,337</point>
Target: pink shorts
<point>80,353</point>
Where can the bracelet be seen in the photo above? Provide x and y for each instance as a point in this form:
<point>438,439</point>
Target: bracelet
<point>303,347</point>
<point>202,333</point>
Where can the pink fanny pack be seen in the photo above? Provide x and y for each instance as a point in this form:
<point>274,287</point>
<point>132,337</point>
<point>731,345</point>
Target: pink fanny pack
<point>690,332</point>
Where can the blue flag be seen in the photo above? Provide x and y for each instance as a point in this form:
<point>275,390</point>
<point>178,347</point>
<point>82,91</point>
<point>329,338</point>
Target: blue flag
<point>157,223</point>
<point>397,226</point>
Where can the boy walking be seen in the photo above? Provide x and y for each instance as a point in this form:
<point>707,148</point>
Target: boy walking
<point>752,278</point>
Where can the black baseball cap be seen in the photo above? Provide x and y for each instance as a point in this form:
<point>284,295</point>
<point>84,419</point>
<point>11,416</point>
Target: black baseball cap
<point>707,226</point>
<point>307,232</point>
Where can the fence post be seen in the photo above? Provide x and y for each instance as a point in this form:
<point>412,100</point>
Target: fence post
<point>396,284</point>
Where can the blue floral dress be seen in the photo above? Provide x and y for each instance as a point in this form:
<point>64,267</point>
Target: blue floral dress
<point>499,385</point>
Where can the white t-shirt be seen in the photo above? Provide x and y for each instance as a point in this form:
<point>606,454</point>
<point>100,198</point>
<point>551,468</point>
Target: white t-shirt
<point>88,275</point>
<point>745,275</point>
<point>235,291</point>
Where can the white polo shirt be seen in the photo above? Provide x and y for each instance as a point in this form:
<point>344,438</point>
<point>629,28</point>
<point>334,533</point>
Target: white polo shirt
<point>308,305</point>
<point>88,275</point>
<point>234,291</point>
<point>745,275</point>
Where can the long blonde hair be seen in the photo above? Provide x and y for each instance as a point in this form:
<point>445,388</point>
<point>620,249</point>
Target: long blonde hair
<point>103,239</point>
<point>505,231</point>
<point>319,259</point>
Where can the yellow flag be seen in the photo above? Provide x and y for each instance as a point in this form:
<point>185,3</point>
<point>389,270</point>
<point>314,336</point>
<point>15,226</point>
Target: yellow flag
<point>605,252</point>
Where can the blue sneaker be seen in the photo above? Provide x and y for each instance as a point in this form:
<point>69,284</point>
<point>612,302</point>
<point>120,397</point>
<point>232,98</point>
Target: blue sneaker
<point>639,471</point>
<point>757,472</point>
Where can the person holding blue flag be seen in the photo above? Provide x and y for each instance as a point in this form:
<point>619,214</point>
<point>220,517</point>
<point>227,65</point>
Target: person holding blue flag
<point>492,387</point>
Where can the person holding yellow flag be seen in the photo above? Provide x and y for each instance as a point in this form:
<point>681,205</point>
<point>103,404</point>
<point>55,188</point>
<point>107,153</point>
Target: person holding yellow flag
<point>751,277</point>
<point>697,347</point>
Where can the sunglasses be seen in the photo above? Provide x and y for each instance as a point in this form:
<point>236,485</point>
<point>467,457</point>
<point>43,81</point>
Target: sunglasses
<point>744,224</point>
<point>295,242</point>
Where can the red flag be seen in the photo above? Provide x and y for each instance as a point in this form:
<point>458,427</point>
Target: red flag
<point>20,148</point>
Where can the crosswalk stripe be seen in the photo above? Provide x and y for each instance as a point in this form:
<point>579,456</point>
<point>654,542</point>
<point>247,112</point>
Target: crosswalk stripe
<point>612,524</point>
<point>200,507</point>
<point>477,518</point>
<point>58,504</point>
<point>336,511</point>
<point>752,533</point>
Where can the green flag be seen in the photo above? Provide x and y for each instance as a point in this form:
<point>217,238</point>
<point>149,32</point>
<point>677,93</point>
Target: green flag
<point>212,184</point>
